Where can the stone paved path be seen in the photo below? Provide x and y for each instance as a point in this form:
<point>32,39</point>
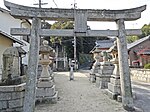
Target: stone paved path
<point>79,96</point>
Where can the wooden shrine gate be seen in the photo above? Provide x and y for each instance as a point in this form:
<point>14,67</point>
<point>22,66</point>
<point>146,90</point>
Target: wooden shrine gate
<point>80,18</point>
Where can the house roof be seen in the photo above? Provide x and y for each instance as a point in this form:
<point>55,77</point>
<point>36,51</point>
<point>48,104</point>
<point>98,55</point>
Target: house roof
<point>11,37</point>
<point>131,45</point>
<point>144,52</point>
<point>147,52</point>
<point>104,43</point>
<point>101,44</point>
<point>4,10</point>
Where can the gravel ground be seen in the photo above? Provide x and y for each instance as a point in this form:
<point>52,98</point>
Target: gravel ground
<point>79,96</point>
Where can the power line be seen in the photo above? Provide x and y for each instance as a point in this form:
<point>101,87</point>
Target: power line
<point>55,3</point>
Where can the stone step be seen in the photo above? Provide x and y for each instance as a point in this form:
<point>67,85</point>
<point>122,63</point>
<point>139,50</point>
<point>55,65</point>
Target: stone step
<point>45,91</point>
<point>48,99</point>
<point>115,81</point>
<point>111,95</point>
<point>114,88</point>
<point>48,84</point>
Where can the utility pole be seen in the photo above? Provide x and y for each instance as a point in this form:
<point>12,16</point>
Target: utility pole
<point>75,41</point>
<point>40,4</point>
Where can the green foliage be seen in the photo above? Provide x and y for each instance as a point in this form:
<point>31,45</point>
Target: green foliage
<point>147,66</point>
<point>61,25</point>
<point>83,58</point>
<point>65,42</point>
<point>146,30</point>
<point>131,39</point>
<point>84,44</point>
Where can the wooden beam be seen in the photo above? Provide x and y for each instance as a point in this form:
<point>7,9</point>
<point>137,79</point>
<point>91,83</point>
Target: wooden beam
<point>70,32</point>
<point>25,12</point>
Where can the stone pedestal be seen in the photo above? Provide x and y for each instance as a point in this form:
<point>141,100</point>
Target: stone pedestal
<point>12,98</point>
<point>45,91</point>
<point>95,69</point>
<point>114,87</point>
<point>103,77</point>
<point>49,69</point>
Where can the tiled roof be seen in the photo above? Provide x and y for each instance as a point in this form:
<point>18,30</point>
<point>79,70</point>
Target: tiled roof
<point>11,37</point>
<point>104,43</point>
<point>145,52</point>
<point>129,46</point>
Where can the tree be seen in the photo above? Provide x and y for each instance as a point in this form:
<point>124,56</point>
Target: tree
<point>131,39</point>
<point>63,42</point>
<point>61,25</point>
<point>145,30</point>
<point>84,44</point>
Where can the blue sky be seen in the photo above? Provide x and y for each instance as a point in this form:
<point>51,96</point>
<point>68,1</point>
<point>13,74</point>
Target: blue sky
<point>97,4</point>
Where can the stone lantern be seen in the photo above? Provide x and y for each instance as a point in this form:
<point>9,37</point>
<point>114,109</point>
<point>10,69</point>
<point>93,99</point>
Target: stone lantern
<point>114,87</point>
<point>45,85</point>
<point>114,52</point>
<point>46,57</point>
<point>105,71</point>
<point>96,65</point>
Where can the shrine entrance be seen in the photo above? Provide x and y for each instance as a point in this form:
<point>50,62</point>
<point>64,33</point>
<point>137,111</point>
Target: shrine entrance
<point>80,18</point>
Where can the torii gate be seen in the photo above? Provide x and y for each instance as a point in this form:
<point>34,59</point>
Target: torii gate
<point>81,18</point>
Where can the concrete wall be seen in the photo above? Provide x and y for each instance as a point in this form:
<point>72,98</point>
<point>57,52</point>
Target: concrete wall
<point>4,44</point>
<point>140,74</point>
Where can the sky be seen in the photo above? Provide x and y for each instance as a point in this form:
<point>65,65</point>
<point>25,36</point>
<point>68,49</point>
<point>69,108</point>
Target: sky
<point>96,4</point>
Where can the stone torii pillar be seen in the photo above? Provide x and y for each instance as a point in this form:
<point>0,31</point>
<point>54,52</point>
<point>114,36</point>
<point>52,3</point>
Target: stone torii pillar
<point>30,91</point>
<point>126,90</point>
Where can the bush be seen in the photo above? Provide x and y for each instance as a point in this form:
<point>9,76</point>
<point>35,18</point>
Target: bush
<point>147,66</point>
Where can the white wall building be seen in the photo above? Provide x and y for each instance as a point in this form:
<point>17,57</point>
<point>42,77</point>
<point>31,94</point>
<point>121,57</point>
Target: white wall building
<point>7,22</point>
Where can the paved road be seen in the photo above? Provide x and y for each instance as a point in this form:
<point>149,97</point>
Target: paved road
<point>142,93</point>
<point>79,96</point>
